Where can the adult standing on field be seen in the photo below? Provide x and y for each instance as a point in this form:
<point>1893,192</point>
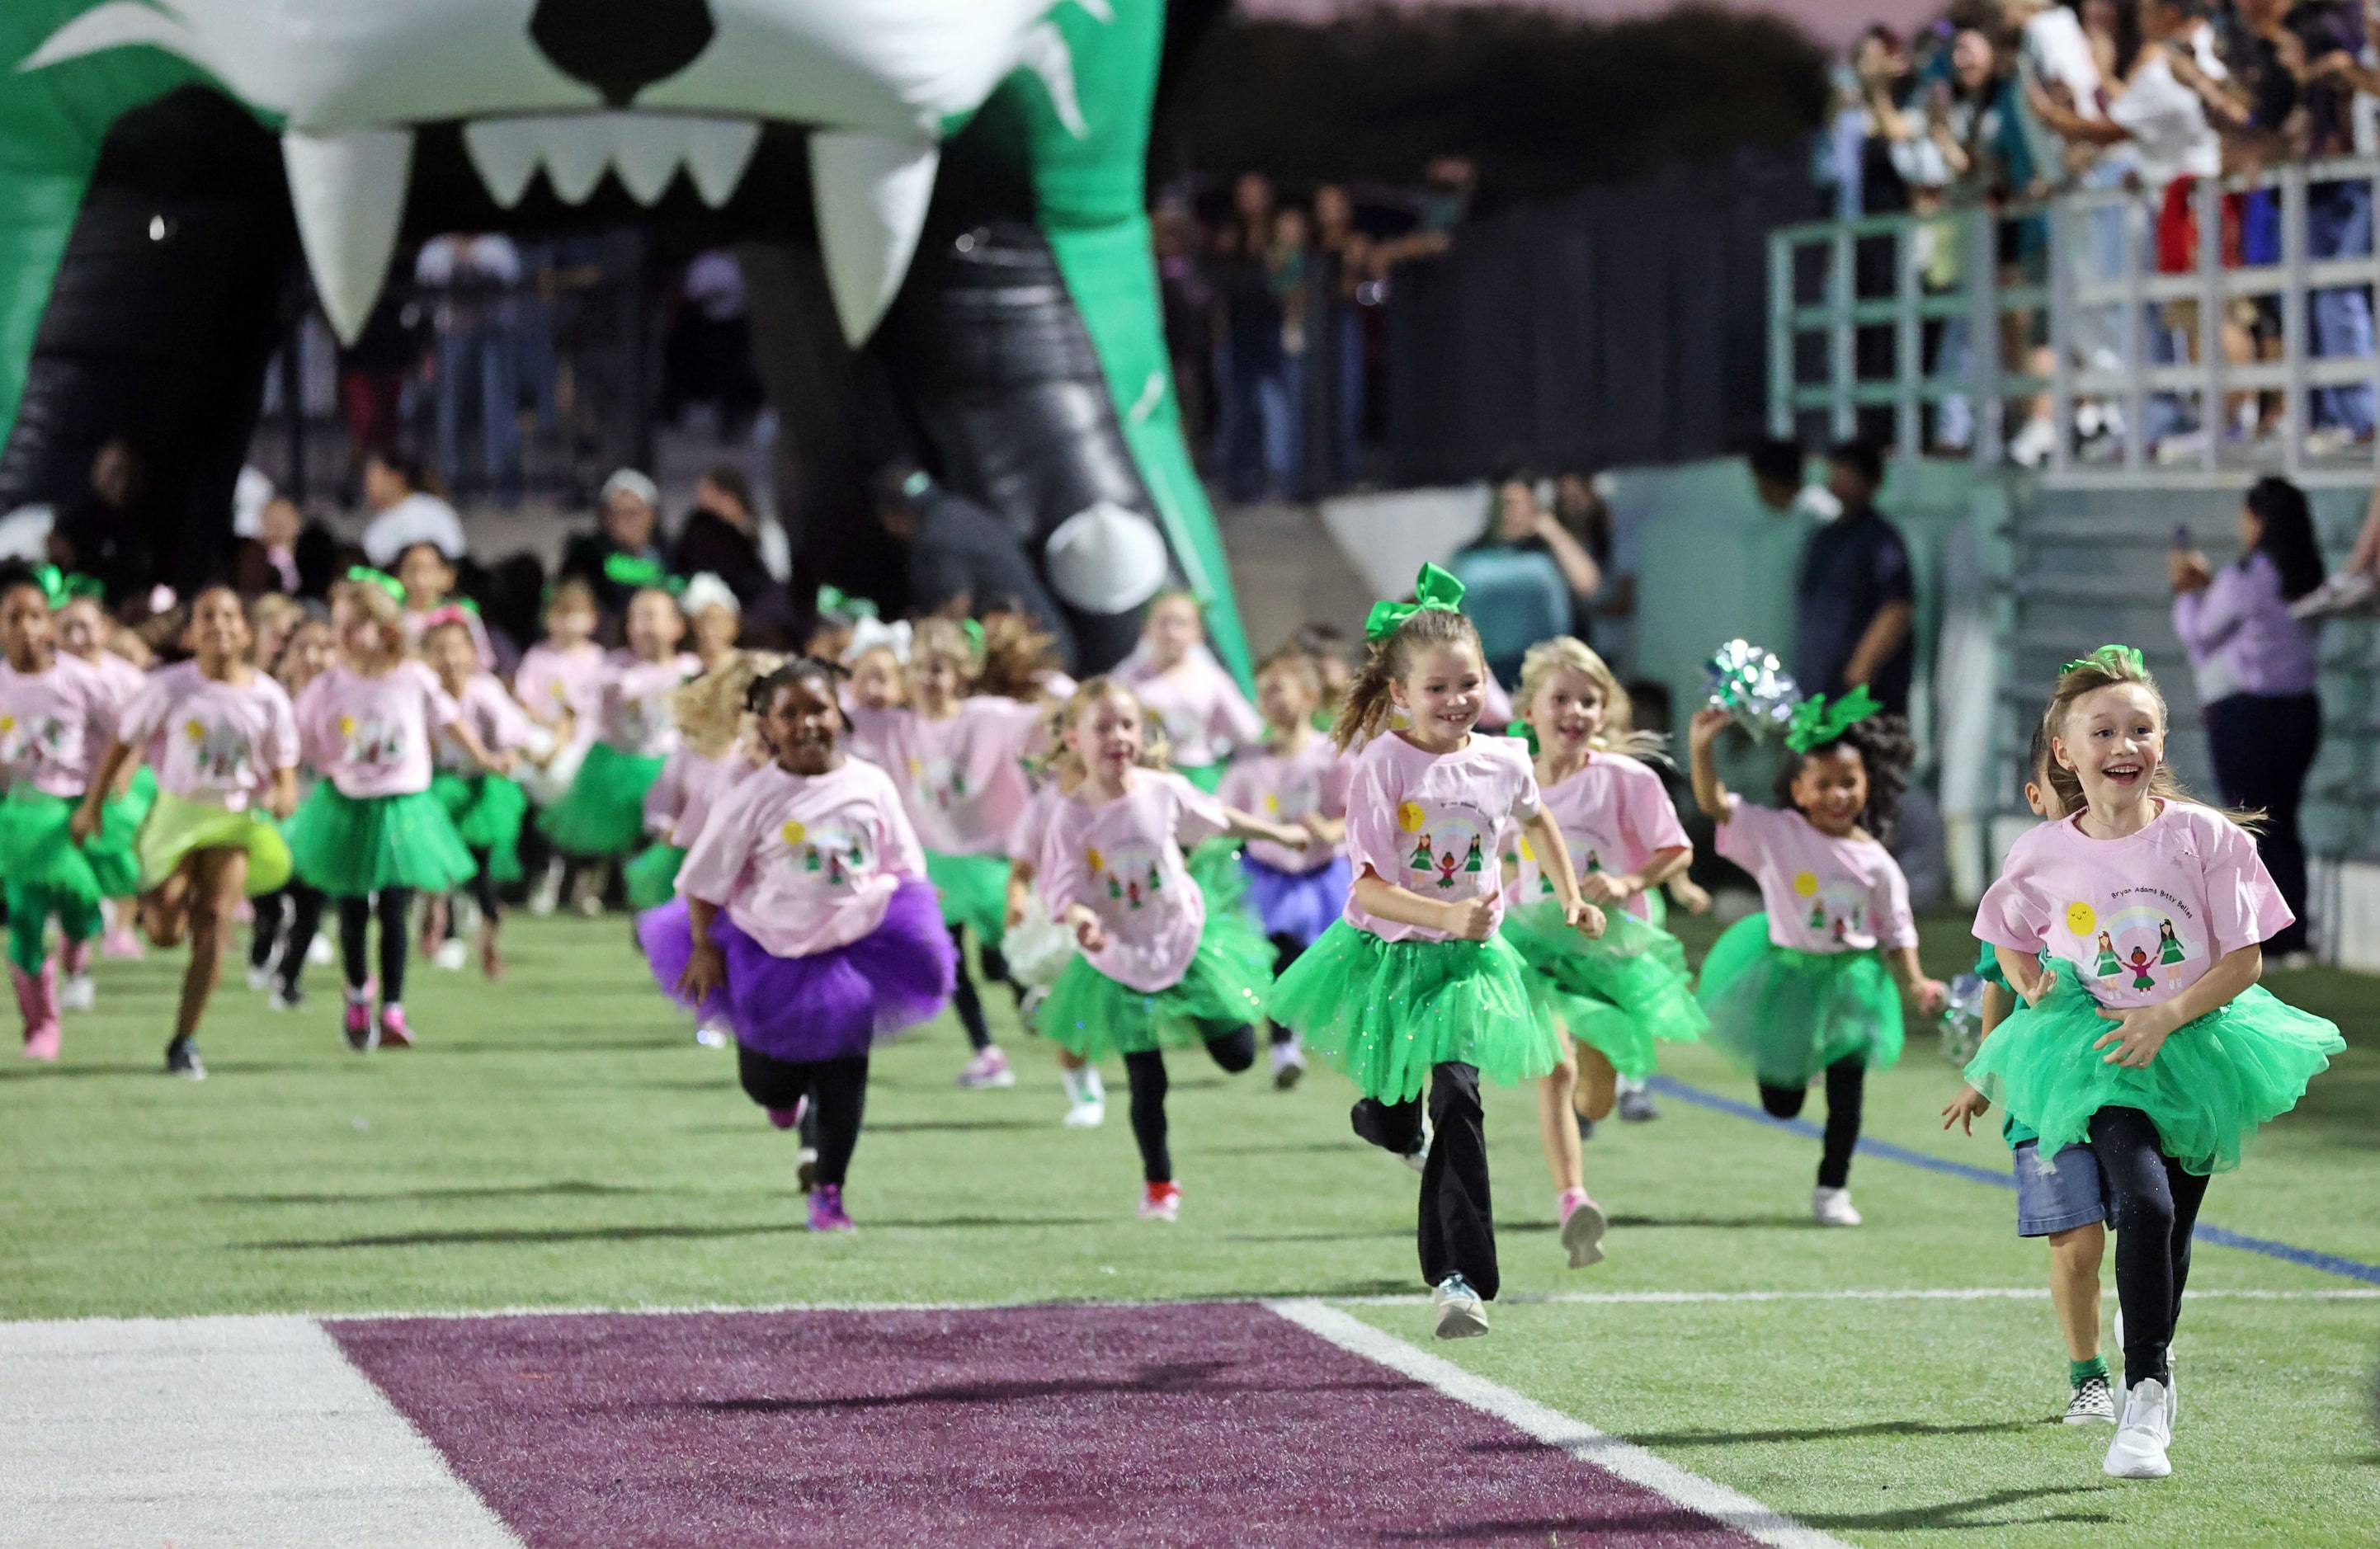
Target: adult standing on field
<point>1856,606</point>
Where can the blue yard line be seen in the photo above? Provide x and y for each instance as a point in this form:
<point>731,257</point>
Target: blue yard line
<point>2330,1264</point>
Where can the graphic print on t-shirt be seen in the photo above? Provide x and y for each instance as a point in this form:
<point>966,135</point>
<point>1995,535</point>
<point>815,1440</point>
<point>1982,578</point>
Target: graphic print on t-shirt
<point>370,741</point>
<point>1586,848</point>
<point>938,783</point>
<point>833,854</point>
<point>2137,947</point>
<point>217,753</point>
<point>1446,851</point>
<point>1836,907</point>
<point>1124,878</point>
<point>28,741</point>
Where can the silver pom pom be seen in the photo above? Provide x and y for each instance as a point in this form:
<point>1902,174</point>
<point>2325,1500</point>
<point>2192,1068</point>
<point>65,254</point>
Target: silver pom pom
<point>1753,686</point>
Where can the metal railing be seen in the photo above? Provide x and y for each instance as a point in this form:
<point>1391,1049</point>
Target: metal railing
<point>2057,312</point>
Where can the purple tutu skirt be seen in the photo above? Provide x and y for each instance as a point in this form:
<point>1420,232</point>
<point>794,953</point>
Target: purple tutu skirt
<point>1298,904</point>
<point>830,1005</point>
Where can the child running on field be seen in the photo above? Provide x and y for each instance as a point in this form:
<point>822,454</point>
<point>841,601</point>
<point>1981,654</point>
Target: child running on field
<point>1414,983</point>
<point>58,715</point>
<point>560,683</point>
<point>486,809</point>
<point>807,926</point>
<point>287,922</point>
<point>87,634</point>
<point>1201,710</point>
<point>1806,988</point>
<point>1163,965</point>
<point>2165,1060</point>
<point>225,740</point>
<point>1297,776</point>
<point>1037,946</point>
<point>1616,994</point>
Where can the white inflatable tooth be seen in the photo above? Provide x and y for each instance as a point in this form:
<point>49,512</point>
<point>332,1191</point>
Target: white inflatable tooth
<point>503,151</point>
<point>646,148</point>
<point>576,149</point>
<point>717,151</point>
<point>871,194</point>
<point>348,193</point>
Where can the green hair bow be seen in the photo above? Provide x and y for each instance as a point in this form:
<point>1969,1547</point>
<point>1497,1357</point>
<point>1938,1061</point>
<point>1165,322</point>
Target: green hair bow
<point>1527,734</point>
<point>643,575</point>
<point>835,600</point>
<point>367,576</point>
<point>973,628</point>
<point>1816,722</point>
<point>2111,659</point>
<point>1435,590</point>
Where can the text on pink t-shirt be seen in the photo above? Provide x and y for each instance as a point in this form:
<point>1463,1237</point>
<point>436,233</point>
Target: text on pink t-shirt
<point>1614,814</point>
<point>1428,823</point>
<point>54,726</point>
<point>369,736</point>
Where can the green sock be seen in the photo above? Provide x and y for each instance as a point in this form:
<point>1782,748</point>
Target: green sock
<point>2078,1371</point>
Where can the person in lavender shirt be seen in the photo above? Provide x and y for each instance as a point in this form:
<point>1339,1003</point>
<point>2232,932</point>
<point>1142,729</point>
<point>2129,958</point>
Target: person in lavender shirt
<point>2255,667</point>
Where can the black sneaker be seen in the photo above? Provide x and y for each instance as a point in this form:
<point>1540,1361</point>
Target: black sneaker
<point>1585,1125</point>
<point>1636,1105</point>
<point>182,1059</point>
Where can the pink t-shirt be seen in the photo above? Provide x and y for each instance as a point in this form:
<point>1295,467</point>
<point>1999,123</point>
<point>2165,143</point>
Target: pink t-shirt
<point>552,679</point>
<point>1029,840</point>
<point>1123,860</point>
<point>804,863</point>
<point>498,718</point>
<point>370,736</point>
<point>122,677</point>
<point>214,742</point>
<point>418,624</point>
<point>54,726</point>
<point>1822,894</point>
<point>2144,916</point>
<point>1285,788</point>
<point>705,784</point>
<point>1614,814</point>
<point>636,716</point>
<point>1201,708</point>
<point>963,778</point>
<point>1428,822</point>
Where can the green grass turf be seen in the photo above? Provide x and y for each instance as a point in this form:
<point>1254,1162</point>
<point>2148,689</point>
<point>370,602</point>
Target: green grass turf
<point>559,1141</point>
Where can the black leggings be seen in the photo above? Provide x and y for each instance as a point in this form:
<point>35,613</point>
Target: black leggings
<point>295,915</point>
<point>1234,1048</point>
<point>483,887</point>
<point>2153,1204</point>
<point>1286,949</point>
<point>1846,1086</point>
<point>838,1094</point>
<point>354,920</point>
<point>1457,1230</point>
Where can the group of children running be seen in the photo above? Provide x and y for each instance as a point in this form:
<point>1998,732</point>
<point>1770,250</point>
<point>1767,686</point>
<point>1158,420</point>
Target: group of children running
<point>814,843</point>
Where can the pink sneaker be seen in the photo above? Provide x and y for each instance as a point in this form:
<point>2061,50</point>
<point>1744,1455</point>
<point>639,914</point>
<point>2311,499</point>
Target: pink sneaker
<point>784,1118</point>
<point>363,1034</point>
<point>37,1004</point>
<point>1582,1227</point>
<point>394,1033</point>
<point>1161,1201</point>
<point>119,942</point>
<point>988,1068</point>
<point>826,1209</point>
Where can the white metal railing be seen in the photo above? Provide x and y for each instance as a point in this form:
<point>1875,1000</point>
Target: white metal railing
<point>2084,283</point>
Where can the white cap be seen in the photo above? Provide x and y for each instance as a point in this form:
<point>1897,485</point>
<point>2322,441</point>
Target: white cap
<point>249,495</point>
<point>634,483</point>
<point>1107,559</point>
<point>707,590</point>
<point>866,634</point>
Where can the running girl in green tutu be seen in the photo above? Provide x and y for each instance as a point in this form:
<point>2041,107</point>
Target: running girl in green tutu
<point>225,741</point>
<point>2164,1081</point>
<point>1806,988</point>
<point>58,715</point>
<point>86,633</point>
<point>1413,983</point>
<point>1164,965</point>
<point>1617,992</point>
<point>486,809</point>
<point>1194,701</point>
<point>370,835</point>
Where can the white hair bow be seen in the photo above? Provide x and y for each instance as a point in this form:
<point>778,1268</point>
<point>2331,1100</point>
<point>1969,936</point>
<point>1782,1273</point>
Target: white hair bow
<point>704,591</point>
<point>868,634</point>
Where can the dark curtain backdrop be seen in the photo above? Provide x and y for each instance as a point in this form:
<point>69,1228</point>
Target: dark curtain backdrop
<point>1616,325</point>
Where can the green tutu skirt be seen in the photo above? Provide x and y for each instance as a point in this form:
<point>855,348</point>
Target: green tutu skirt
<point>2212,1083</point>
<point>487,811</point>
<point>1206,777</point>
<point>349,847</point>
<point>603,813</point>
<point>1225,987</point>
<point>1386,1011</point>
<point>1617,992</point>
<point>974,891</point>
<point>1785,1015</point>
<point>176,826</point>
<point>652,877</point>
<point>38,853</point>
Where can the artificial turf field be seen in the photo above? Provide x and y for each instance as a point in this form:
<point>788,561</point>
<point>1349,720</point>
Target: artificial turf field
<point>559,1142</point>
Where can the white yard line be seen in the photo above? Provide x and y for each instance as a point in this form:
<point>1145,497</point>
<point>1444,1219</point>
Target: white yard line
<point>247,1431</point>
<point>1729,1508</point>
<point>1914,1293</point>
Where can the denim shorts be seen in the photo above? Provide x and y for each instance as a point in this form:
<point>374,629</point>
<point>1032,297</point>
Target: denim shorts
<point>2060,1200</point>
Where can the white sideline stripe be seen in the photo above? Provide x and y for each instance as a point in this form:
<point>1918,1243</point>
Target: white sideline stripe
<point>1582,1441</point>
<point>1950,1293</point>
<point>253,1431</point>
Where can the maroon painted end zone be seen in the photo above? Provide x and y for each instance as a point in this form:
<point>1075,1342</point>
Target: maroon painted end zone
<point>1183,1425</point>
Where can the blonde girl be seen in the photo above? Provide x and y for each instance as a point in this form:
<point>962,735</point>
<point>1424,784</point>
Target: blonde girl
<point>1172,672</point>
<point>718,744</point>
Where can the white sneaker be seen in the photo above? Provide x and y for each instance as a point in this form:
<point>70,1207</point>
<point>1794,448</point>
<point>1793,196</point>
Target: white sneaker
<point>2093,1403</point>
<point>1833,1208</point>
<point>988,1068</point>
<point>78,994</point>
<point>452,954</point>
<point>1288,1066</point>
<point>261,979</point>
<point>546,897</point>
<point>319,954</point>
<point>2147,1430</point>
<point>1461,1313</point>
<point>1085,1116</point>
<point>2350,591</point>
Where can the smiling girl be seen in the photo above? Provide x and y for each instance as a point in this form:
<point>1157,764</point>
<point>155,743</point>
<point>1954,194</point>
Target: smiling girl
<point>2164,1077</point>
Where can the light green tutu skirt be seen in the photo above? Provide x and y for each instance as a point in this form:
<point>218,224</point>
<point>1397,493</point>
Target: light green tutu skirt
<point>350,847</point>
<point>1206,777</point>
<point>974,890</point>
<point>1385,1012</point>
<point>604,811</point>
<point>2212,1083</point>
<point>487,811</point>
<point>1785,1014</point>
<point>1225,987</point>
<point>1616,993</point>
<point>176,826</point>
<point>38,853</point>
<point>652,877</point>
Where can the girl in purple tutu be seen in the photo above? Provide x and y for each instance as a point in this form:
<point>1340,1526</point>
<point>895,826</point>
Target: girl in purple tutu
<point>1296,776</point>
<point>807,925</point>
